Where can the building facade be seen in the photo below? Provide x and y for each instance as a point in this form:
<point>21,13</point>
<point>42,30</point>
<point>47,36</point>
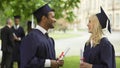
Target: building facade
<point>89,7</point>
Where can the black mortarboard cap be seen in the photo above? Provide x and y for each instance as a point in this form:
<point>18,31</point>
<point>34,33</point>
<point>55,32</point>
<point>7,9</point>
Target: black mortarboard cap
<point>17,17</point>
<point>102,17</point>
<point>42,11</point>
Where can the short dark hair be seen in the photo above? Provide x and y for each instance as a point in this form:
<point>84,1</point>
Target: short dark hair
<point>17,17</point>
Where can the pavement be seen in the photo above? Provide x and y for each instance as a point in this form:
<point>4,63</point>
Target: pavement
<point>76,44</point>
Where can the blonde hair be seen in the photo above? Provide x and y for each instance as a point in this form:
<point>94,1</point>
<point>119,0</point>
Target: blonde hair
<point>96,31</point>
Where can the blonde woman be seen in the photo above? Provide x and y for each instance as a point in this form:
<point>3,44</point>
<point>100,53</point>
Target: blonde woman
<point>98,51</point>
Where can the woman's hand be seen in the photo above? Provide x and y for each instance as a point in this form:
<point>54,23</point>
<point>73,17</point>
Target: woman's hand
<point>85,65</point>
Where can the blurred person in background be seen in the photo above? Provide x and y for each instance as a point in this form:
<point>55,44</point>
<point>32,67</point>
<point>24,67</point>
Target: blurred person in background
<point>7,44</point>
<point>29,26</point>
<point>18,33</point>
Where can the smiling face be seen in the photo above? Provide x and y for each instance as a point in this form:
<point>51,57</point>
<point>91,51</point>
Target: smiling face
<point>90,25</point>
<point>48,21</point>
<point>94,25</point>
<point>51,20</point>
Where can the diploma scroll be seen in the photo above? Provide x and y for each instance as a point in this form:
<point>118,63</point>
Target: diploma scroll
<point>81,56</point>
<point>62,55</point>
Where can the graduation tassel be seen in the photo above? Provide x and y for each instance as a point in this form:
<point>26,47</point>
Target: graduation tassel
<point>32,22</point>
<point>108,26</point>
<point>107,30</point>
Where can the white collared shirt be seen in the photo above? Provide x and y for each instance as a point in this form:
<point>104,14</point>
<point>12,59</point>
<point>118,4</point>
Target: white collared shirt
<point>41,29</point>
<point>16,26</point>
<point>47,61</point>
<point>91,42</point>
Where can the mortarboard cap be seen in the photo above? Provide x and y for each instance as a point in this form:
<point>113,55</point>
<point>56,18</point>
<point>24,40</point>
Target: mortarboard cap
<point>102,17</point>
<point>17,17</point>
<point>41,11</point>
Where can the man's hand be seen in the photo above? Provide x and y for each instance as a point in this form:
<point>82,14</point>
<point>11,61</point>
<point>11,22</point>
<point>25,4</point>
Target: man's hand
<point>17,38</point>
<point>57,63</point>
<point>85,65</point>
<point>60,62</point>
<point>54,64</point>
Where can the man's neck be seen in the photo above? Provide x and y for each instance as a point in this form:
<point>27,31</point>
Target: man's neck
<point>16,24</point>
<point>43,26</point>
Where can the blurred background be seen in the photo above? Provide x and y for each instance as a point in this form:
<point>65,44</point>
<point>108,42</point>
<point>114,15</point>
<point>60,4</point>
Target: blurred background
<point>71,26</point>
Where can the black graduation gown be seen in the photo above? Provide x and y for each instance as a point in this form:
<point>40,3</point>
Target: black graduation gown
<point>7,39</point>
<point>35,48</point>
<point>7,46</point>
<point>19,33</point>
<point>101,56</point>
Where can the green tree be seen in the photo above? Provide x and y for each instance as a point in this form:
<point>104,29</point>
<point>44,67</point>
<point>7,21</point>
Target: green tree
<point>25,8</point>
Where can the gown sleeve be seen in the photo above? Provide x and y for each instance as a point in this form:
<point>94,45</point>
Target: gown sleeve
<point>28,51</point>
<point>107,55</point>
<point>22,33</point>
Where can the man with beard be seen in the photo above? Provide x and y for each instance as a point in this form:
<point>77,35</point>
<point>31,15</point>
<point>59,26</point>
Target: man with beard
<point>37,48</point>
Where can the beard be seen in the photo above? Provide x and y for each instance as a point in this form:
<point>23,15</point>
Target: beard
<point>50,24</point>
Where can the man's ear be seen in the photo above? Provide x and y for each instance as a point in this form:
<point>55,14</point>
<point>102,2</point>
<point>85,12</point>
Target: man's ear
<point>44,18</point>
